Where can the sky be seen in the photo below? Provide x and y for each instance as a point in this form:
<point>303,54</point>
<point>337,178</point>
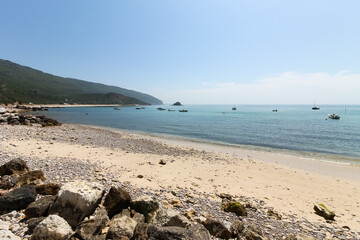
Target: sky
<point>196,52</point>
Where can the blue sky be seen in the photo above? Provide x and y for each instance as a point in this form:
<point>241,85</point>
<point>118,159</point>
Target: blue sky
<point>246,52</point>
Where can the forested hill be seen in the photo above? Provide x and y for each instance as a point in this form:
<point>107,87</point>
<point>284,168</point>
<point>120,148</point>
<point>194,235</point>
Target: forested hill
<point>25,84</point>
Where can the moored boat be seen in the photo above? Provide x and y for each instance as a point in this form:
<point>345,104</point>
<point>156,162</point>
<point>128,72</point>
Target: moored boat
<point>333,116</point>
<point>315,108</point>
<point>161,109</point>
<point>183,110</point>
<point>116,108</point>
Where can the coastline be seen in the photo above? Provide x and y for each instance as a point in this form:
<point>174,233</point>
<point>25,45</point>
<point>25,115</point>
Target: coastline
<point>209,145</point>
<point>289,184</point>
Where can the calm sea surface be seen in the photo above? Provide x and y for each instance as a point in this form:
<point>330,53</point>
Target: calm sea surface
<point>291,128</point>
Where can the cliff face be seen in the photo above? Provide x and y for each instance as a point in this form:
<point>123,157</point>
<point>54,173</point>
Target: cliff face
<point>24,84</point>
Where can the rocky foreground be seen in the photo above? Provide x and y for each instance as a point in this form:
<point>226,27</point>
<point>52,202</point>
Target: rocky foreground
<point>65,198</point>
<point>78,209</point>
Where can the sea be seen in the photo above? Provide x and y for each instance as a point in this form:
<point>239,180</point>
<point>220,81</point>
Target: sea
<point>293,128</point>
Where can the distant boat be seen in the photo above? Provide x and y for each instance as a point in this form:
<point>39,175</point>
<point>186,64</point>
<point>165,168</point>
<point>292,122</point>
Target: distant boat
<point>171,110</point>
<point>234,109</point>
<point>161,109</point>
<point>315,108</point>
<point>333,116</point>
<point>116,108</point>
<point>142,107</point>
<point>274,110</point>
<point>138,108</point>
<point>183,110</point>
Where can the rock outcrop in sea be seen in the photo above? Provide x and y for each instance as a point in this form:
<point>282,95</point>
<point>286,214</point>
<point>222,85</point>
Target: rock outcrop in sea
<point>177,104</point>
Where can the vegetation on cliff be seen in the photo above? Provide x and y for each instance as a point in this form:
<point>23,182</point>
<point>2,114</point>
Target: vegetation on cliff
<point>24,84</point>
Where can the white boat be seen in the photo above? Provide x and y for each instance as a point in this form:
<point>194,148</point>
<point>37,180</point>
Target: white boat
<point>334,116</point>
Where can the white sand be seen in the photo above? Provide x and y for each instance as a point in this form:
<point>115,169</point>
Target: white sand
<point>290,184</point>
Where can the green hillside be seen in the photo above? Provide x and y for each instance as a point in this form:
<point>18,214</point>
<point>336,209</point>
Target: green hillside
<point>24,84</point>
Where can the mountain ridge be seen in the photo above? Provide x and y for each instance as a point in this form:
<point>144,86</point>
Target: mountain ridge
<point>25,84</point>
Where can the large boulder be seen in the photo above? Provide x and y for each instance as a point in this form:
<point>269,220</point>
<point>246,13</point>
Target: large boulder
<point>14,166</point>
<point>145,205</point>
<point>91,228</point>
<point>121,226</point>
<point>48,189</point>
<point>217,229</point>
<point>77,200</point>
<point>53,227</point>
<point>116,200</point>
<point>18,199</point>
<point>40,207</point>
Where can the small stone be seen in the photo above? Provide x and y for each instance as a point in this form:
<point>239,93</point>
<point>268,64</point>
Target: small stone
<point>234,207</point>
<point>321,210</point>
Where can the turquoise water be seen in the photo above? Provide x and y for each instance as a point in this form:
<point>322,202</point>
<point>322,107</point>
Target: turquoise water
<point>291,128</point>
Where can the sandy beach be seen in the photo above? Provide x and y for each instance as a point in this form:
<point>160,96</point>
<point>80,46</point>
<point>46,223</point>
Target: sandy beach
<point>289,184</point>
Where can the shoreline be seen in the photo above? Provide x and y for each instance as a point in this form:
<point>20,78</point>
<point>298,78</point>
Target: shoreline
<point>330,158</point>
<point>287,189</point>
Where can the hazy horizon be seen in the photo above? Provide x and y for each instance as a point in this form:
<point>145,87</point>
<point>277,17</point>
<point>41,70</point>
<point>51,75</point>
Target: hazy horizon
<point>203,52</point>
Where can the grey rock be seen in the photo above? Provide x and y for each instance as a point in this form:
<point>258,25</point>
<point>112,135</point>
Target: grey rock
<point>178,221</point>
<point>116,200</point>
<point>8,181</point>
<point>145,205</point>
<point>300,237</point>
<point>163,215</point>
<point>91,228</point>
<point>200,231</point>
<point>121,226</point>
<point>40,207</point>
<point>170,233</point>
<point>8,235</point>
<point>53,227</point>
<point>14,166</point>
<point>18,199</point>
<point>237,228</point>
<point>140,232</point>
<point>77,200</point>
<point>32,223</point>
<point>138,217</point>
<point>217,229</point>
